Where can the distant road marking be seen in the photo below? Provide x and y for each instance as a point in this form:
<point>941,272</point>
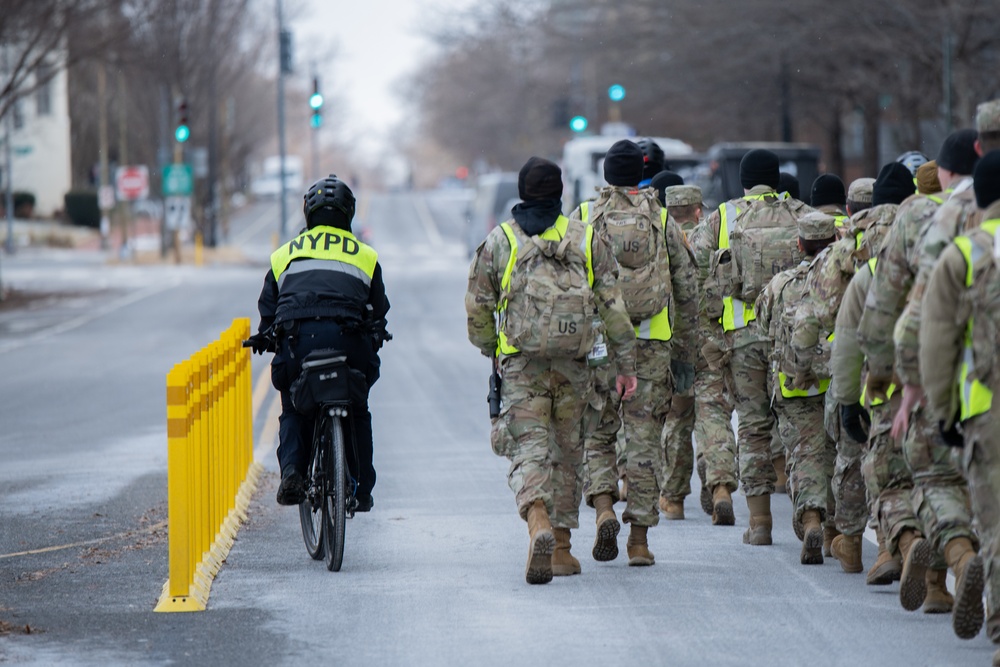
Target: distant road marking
<point>266,217</point>
<point>269,434</point>
<point>96,540</point>
<point>77,322</point>
<point>427,220</point>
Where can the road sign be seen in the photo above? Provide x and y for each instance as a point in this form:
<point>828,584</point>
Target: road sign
<point>177,180</point>
<point>106,197</point>
<point>177,214</point>
<point>132,182</point>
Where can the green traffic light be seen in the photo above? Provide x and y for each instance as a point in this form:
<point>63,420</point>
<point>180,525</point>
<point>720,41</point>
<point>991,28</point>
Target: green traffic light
<point>616,93</point>
<point>578,124</point>
<point>315,100</point>
<point>182,133</point>
<point>316,120</point>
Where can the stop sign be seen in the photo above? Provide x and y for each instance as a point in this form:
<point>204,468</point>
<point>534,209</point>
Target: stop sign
<point>132,182</point>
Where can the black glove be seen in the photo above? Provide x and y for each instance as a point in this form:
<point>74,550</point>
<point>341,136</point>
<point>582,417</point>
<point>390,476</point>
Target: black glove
<point>260,343</point>
<point>683,373</point>
<point>951,436</point>
<point>856,421</point>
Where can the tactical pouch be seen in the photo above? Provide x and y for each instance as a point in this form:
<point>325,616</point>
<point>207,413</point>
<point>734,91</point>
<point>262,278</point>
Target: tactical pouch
<point>325,378</point>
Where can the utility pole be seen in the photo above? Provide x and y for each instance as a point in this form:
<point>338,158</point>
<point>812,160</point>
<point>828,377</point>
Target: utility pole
<point>124,207</point>
<point>8,169</point>
<point>284,65</point>
<point>212,209</point>
<point>102,134</point>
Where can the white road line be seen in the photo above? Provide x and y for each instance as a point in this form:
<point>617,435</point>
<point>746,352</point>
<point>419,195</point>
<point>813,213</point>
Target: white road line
<point>77,322</point>
<point>424,213</point>
<point>266,217</point>
<point>269,434</point>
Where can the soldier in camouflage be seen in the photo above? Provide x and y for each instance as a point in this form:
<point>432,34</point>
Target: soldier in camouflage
<point>737,348</point>
<point>829,196</point>
<point>940,495</point>
<point>544,398</point>
<point>664,359</point>
<point>800,412</point>
<point>958,336</point>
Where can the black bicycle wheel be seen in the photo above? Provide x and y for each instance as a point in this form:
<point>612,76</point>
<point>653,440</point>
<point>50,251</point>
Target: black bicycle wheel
<point>311,509</point>
<point>335,507</point>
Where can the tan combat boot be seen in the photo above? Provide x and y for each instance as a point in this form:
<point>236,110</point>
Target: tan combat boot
<point>638,548</point>
<point>540,546</point>
<point>847,549</point>
<point>780,486</point>
<point>606,542</point>
<point>938,600</point>
<point>722,507</point>
<point>967,566</point>
<point>563,562</point>
<point>672,509</point>
<point>705,495</point>
<point>917,553</point>
<point>886,568</point>
<point>812,540</point>
<point>829,534</point>
<point>759,532</point>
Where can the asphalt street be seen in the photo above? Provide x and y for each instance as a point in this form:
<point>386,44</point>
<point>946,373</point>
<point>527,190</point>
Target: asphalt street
<point>434,575</point>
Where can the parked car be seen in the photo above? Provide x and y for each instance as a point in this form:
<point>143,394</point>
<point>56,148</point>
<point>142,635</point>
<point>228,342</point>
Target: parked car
<point>495,195</point>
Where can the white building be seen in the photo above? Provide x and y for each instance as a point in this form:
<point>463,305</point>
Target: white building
<point>41,143</point>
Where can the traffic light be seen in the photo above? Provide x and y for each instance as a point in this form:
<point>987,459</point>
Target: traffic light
<point>578,123</point>
<point>183,131</point>
<point>316,104</point>
<point>616,93</point>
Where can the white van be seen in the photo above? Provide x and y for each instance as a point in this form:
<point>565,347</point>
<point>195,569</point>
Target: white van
<point>268,183</point>
<point>583,164</point>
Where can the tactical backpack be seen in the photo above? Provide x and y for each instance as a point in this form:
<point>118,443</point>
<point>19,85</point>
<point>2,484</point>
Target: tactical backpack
<point>546,304</point>
<point>763,241</point>
<point>632,224</point>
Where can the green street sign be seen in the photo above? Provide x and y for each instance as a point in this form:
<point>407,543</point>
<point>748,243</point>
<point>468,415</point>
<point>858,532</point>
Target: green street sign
<point>178,180</point>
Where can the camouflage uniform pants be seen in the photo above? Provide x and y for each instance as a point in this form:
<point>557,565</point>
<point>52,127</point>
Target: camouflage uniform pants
<point>643,418</point>
<point>940,493</point>
<point>810,452</point>
<point>678,448</point>
<point>981,463</point>
<point>888,478</point>
<point>848,483</point>
<point>749,362</point>
<point>543,403</point>
<point>713,425</point>
<point>601,425</point>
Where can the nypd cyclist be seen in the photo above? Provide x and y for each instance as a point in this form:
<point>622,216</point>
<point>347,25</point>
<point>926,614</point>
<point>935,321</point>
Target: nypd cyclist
<point>324,290</point>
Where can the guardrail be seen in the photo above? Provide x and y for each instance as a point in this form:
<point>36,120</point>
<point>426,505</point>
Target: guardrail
<point>211,474</point>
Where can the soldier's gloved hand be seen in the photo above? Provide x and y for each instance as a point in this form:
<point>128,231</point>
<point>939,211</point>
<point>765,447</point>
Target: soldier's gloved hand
<point>261,343</point>
<point>876,387</point>
<point>951,435</point>
<point>626,386</point>
<point>683,373</point>
<point>856,421</point>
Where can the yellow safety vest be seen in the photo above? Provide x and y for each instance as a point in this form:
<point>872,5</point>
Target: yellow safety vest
<point>976,398</point>
<point>892,387</point>
<point>736,314</point>
<point>554,233</point>
<point>656,327</point>
<point>838,220</point>
<point>337,249</point>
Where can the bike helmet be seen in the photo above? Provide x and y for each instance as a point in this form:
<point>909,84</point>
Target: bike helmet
<point>912,160</point>
<point>652,157</point>
<point>329,192</point>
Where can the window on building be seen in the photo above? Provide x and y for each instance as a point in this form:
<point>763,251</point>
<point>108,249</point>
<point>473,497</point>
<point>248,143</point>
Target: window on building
<point>43,95</point>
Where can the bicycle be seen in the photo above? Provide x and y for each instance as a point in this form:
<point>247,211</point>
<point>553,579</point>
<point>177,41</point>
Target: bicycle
<point>324,388</point>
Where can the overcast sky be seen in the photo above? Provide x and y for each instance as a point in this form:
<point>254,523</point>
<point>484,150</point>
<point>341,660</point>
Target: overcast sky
<point>377,42</point>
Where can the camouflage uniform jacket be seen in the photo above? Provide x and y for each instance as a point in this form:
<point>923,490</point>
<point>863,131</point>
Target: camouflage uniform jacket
<point>705,241</point>
<point>956,216</point>
<point>943,328</point>
<point>683,287</point>
<point>773,308</point>
<point>846,358</point>
<point>892,284</point>
<point>840,215</point>
<point>826,283</point>
<point>484,291</point>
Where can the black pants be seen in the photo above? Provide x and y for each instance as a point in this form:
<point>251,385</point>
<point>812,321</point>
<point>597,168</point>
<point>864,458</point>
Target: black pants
<point>295,430</point>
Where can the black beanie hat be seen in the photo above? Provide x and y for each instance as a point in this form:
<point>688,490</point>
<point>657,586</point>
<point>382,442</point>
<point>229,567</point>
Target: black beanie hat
<point>664,180</point>
<point>986,179</point>
<point>828,189</point>
<point>788,183</point>
<point>623,164</point>
<point>958,152</point>
<point>893,185</point>
<point>539,179</point>
<point>759,167</point>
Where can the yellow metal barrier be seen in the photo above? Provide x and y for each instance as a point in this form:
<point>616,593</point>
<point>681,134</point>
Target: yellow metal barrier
<point>210,469</point>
